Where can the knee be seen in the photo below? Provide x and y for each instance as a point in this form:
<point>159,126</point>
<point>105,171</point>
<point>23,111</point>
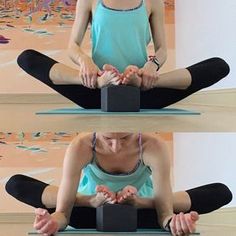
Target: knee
<point>221,66</point>
<point>224,193</point>
<point>14,185</point>
<point>26,59</point>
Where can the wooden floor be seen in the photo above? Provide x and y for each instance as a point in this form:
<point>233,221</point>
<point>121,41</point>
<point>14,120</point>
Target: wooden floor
<point>218,114</point>
<point>22,229</point>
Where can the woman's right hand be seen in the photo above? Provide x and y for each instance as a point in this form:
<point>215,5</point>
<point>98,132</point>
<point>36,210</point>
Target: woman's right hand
<point>88,72</point>
<point>44,223</point>
<point>183,224</point>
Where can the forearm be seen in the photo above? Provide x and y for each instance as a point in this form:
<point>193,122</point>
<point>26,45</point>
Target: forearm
<point>164,208</point>
<point>75,53</point>
<point>145,203</point>
<point>61,220</point>
<point>161,55</point>
<point>84,200</point>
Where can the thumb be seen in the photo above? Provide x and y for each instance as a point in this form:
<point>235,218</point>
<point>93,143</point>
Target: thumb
<point>140,72</point>
<point>40,211</point>
<point>194,215</point>
<point>107,67</point>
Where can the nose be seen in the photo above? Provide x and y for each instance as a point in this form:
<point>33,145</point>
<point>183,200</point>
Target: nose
<point>115,145</point>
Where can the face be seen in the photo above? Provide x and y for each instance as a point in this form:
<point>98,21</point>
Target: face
<point>115,141</point>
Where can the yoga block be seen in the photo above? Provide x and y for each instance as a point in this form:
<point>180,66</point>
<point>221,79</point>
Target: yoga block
<point>120,98</point>
<point>116,218</point>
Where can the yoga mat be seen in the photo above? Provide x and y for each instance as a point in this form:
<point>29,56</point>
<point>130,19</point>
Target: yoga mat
<point>94,231</point>
<point>143,112</point>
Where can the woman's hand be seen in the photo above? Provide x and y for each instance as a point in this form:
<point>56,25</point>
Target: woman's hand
<point>88,72</point>
<point>127,195</point>
<point>149,75</point>
<point>184,224</point>
<point>44,223</point>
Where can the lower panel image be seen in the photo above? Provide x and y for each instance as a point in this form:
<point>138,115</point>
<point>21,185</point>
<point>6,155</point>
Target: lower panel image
<point>113,182</point>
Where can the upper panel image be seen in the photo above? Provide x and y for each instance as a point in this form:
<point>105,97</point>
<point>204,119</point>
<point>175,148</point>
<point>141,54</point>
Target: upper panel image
<point>117,65</point>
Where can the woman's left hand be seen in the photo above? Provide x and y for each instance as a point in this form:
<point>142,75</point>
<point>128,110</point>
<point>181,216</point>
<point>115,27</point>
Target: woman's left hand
<point>184,224</point>
<point>149,75</point>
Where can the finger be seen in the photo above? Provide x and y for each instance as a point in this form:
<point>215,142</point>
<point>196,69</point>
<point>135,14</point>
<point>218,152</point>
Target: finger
<point>40,224</point>
<point>191,225</point>
<point>45,229</point>
<point>149,82</point>
<point>178,225</point>
<point>82,75</point>
<point>140,72</point>
<point>52,228</point>
<point>194,215</point>
<point>125,80</point>
<point>87,78</point>
<point>173,225</point>
<point>183,223</point>
<point>40,211</point>
<point>94,81</point>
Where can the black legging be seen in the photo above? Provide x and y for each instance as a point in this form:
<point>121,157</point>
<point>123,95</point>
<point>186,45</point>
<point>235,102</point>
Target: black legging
<point>204,74</point>
<point>204,199</point>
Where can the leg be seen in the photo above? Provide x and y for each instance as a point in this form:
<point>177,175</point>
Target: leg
<point>194,78</point>
<point>61,78</point>
<point>41,195</point>
<point>203,199</point>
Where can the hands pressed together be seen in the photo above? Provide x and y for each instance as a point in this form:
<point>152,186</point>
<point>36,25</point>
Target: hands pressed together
<point>92,77</point>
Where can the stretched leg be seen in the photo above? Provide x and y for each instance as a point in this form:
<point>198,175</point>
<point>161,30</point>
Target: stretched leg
<point>63,79</point>
<point>188,81</point>
<point>203,199</point>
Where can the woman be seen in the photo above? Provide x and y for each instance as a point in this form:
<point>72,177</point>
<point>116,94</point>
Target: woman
<point>123,168</point>
<point>120,33</point>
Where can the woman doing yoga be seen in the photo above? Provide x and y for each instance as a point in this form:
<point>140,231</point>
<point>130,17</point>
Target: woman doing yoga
<point>121,168</point>
<point>120,33</point>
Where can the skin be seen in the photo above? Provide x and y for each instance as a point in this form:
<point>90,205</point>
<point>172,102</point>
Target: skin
<point>88,72</point>
<point>112,150</point>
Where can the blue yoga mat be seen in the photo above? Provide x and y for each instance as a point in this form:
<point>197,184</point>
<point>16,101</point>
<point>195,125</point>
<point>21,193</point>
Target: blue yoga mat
<point>94,231</point>
<point>143,112</point>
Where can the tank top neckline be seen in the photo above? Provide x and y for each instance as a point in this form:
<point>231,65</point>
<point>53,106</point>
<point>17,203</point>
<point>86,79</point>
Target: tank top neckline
<point>138,164</point>
<point>121,10</point>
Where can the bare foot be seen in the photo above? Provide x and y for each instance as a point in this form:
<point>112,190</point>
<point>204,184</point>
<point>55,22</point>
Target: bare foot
<point>109,67</point>
<point>131,77</point>
<point>103,195</point>
<point>107,78</point>
<point>127,195</point>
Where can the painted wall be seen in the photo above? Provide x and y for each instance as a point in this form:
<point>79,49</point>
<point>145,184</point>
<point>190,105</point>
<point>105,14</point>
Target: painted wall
<point>202,158</point>
<point>204,29</point>
<point>39,155</point>
<point>47,30</point>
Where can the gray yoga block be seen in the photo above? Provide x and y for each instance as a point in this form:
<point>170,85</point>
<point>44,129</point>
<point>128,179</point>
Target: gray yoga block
<point>120,98</point>
<point>116,218</point>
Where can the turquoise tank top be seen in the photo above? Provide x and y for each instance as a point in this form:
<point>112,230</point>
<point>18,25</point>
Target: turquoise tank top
<point>94,175</point>
<point>120,37</point>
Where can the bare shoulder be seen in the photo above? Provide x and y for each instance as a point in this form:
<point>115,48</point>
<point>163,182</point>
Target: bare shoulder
<point>82,141</point>
<point>152,141</point>
<point>84,5</point>
<point>80,148</point>
<point>154,149</point>
<point>155,5</point>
